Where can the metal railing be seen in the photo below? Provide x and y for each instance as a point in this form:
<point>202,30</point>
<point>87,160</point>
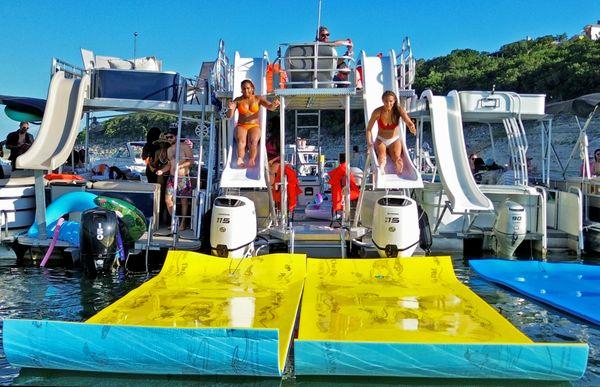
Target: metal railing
<point>222,73</point>
<point>71,71</point>
<point>312,64</point>
<point>406,66</point>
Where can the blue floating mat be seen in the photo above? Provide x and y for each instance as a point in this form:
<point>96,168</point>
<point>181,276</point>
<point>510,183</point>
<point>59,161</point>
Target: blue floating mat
<point>138,349</point>
<point>570,287</point>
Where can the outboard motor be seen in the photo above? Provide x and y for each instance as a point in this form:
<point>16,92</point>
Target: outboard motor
<point>510,228</point>
<point>425,238</point>
<point>395,226</point>
<point>232,227</point>
<point>98,240</point>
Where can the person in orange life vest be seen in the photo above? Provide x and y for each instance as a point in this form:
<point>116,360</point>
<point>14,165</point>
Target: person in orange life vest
<point>337,180</point>
<point>293,189</point>
<point>388,137</point>
<point>248,128</point>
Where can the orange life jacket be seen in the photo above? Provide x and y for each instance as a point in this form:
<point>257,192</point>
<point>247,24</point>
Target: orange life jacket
<point>273,69</point>
<point>337,180</point>
<point>63,176</point>
<point>293,189</point>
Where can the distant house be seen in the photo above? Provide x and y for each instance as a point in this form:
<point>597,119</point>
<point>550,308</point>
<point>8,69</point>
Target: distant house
<point>592,31</point>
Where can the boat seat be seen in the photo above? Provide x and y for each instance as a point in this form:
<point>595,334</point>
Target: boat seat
<point>145,196</point>
<point>301,57</point>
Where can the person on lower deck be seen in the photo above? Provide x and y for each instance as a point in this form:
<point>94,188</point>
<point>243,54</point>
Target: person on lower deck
<point>148,152</point>
<point>182,166</point>
<point>594,165</point>
<point>159,161</point>
<point>388,136</point>
<point>248,126</point>
<point>18,142</point>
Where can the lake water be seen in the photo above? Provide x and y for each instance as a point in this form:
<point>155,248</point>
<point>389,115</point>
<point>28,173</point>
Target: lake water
<point>64,294</point>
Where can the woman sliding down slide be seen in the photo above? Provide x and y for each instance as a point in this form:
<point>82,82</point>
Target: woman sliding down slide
<point>388,136</point>
<point>248,127</point>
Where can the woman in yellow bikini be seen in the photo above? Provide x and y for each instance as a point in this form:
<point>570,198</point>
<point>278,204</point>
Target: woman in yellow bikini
<point>248,128</point>
<point>388,136</point>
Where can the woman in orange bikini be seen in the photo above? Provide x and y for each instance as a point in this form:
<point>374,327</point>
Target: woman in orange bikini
<point>388,136</point>
<point>248,128</point>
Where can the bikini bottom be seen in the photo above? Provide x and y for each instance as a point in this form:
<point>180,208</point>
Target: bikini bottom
<point>388,141</point>
<point>248,126</point>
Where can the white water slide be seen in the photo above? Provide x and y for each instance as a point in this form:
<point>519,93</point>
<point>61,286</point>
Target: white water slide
<point>451,154</point>
<point>379,75</point>
<point>233,176</point>
<point>60,124</point>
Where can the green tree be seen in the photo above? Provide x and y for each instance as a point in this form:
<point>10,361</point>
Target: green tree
<point>550,65</point>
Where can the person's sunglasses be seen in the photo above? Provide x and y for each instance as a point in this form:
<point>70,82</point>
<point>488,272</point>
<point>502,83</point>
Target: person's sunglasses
<point>324,35</point>
<point>169,137</point>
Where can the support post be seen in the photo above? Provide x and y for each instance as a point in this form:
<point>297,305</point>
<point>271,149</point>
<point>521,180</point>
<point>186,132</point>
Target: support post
<point>40,204</point>
<point>283,182</point>
<point>87,141</point>
<point>180,103</point>
<point>347,151</point>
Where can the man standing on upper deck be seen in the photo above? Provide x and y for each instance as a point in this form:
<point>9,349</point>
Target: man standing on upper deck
<point>184,185</point>
<point>323,36</point>
<point>18,142</point>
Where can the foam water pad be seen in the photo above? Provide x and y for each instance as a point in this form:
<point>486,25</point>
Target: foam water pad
<point>570,287</point>
<point>199,315</point>
<point>412,317</point>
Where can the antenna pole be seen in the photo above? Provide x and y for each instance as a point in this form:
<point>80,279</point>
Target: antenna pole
<point>135,35</point>
<point>319,19</point>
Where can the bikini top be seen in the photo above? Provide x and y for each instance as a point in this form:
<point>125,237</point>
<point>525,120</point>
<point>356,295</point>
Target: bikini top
<point>250,111</point>
<point>383,126</point>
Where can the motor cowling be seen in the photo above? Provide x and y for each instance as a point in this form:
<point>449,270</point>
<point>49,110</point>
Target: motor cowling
<point>396,230</point>
<point>510,228</point>
<point>232,226</point>
<point>425,237</point>
<point>98,239</point>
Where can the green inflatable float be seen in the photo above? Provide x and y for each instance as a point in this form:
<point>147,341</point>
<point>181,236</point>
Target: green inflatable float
<point>21,116</point>
<point>133,219</point>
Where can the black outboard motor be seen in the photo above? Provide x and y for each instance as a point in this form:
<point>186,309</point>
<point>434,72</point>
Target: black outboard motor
<point>425,238</point>
<point>98,240</point>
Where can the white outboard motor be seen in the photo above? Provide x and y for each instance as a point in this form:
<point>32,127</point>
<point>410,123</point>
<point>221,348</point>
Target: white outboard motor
<point>510,228</point>
<point>395,226</point>
<point>232,227</point>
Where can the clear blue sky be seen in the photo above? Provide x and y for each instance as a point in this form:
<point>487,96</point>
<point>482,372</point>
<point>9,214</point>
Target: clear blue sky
<point>185,33</point>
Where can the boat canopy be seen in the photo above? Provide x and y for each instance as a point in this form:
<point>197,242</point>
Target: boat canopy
<point>581,106</point>
<point>34,106</point>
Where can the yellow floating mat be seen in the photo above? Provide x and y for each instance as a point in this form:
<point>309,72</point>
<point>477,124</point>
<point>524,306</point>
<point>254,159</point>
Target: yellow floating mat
<point>199,315</point>
<point>412,317</point>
